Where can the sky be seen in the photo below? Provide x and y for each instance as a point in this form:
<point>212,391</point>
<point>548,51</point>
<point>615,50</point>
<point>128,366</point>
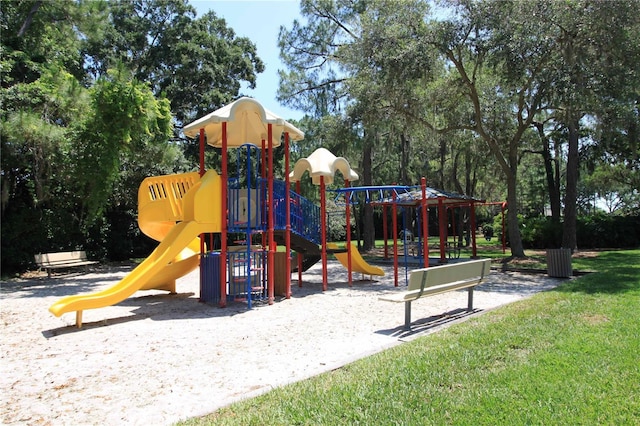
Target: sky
<point>259,21</point>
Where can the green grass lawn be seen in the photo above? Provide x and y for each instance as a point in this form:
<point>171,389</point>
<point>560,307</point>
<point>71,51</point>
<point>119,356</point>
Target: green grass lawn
<point>569,356</point>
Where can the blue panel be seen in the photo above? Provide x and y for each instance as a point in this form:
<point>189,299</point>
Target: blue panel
<point>210,278</point>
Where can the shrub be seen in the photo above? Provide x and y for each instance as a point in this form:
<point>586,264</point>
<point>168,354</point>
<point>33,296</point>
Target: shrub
<point>606,231</point>
<point>596,231</point>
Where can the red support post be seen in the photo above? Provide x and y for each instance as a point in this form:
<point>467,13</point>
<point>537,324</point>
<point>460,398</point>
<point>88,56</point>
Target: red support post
<point>394,230</point>
<point>287,200</point>
<point>265,205</point>
<point>272,243</point>
<point>323,232</point>
<point>385,231</point>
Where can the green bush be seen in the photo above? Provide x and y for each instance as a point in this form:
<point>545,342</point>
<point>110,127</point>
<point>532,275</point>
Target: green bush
<point>541,232</point>
<point>606,231</point>
<point>596,231</point>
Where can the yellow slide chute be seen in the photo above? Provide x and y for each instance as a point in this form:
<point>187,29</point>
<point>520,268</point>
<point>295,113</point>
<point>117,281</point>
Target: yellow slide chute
<point>358,264</point>
<point>175,210</point>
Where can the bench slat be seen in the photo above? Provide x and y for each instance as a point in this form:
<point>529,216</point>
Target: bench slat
<point>442,274</point>
<point>63,256</point>
<point>430,291</point>
<point>69,264</point>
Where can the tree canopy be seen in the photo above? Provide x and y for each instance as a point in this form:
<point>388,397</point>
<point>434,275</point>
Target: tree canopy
<point>494,81</point>
<point>93,95</point>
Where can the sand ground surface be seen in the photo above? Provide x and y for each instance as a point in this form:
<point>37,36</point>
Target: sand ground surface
<point>155,358</point>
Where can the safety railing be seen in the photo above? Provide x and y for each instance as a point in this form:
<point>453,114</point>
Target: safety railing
<point>305,215</point>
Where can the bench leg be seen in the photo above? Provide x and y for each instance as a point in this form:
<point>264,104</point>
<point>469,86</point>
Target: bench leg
<point>470,302</point>
<point>407,315</point>
<point>79,319</point>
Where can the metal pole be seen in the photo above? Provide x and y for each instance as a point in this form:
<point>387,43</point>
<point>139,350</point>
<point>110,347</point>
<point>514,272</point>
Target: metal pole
<point>300,255</point>
<point>272,243</point>
<point>347,199</point>
<point>223,231</point>
<point>323,232</point>
<point>287,235</point>
<point>425,218</point>
<point>394,230</point>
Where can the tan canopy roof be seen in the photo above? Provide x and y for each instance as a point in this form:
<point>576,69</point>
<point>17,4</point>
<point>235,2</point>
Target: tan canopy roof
<point>247,122</point>
<point>322,162</point>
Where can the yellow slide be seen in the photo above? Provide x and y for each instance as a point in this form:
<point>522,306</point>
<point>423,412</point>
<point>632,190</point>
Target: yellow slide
<point>160,206</point>
<point>358,264</point>
<point>162,200</point>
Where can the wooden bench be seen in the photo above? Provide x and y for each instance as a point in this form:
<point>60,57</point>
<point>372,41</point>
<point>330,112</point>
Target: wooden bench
<point>440,279</point>
<point>64,259</point>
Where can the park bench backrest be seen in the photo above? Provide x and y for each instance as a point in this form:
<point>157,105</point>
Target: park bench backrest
<point>450,273</point>
<point>61,257</point>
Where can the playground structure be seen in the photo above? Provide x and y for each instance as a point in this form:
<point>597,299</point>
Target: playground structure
<point>175,210</point>
<point>232,226</point>
<point>188,213</point>
<point>418,201</point>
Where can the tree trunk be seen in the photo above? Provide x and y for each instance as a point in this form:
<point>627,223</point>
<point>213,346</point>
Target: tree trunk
<point>443,159</point>
<point>515,238</point>
<point>368,228</point>
<point>469,174</point>
<point>510,168</point>
<point>551,172</point>
<point>569,239</point>
<point>404,160</point>
<point>454,173</point>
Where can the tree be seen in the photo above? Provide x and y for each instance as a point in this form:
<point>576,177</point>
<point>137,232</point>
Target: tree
<point>593,51</point>
<point>504,71</point>
<point>551,156</point>
<point>84,116</point>
<point>41,95</point>
<point>490,87</point>
<point>552,65</point>
<point>197,63</point>
<point>125,116</point>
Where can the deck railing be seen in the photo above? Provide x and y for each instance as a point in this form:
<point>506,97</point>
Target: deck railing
<point>305,215</point>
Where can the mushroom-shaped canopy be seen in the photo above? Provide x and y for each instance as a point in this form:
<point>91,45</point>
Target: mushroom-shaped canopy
<point>247,122</point>
<point>322,162</point>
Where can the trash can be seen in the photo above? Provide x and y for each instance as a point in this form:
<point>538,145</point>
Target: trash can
<point>559,263</point>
